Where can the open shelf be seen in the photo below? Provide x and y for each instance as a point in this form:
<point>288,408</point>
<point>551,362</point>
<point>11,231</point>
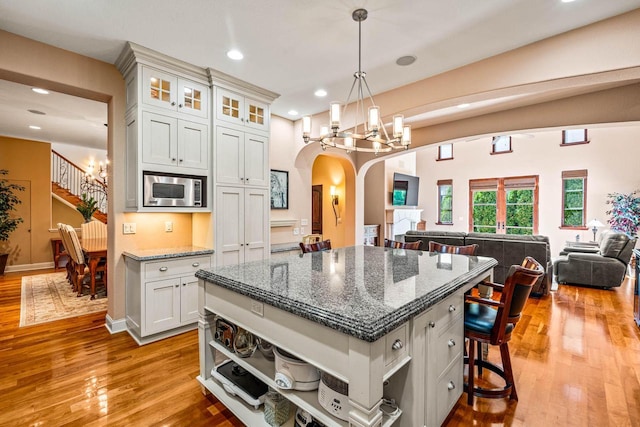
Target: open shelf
<point>264,370</point>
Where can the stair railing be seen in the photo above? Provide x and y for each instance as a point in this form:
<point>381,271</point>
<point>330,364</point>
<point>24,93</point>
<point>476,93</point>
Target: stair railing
<point>77,181</point>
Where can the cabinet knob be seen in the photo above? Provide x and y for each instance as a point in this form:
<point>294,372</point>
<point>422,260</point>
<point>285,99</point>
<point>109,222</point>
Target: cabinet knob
<point>451,385</point>
<point>241,244</point>
<point>163,268</point>
<point>173,159</point>
<point>177,286</point>
<point>181,160</point>
<point>397,345</point>
<point>451,343</point>
<point>432,324</point>
<point>452,308</point>
<point>173,104</point>
<point>195,264</point>
<point>184,284</point>
<point>179,105</point>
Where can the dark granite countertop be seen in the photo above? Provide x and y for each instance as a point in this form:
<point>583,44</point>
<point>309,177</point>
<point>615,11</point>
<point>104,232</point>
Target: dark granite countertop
<point>165,253</point>
<point>363,291</point>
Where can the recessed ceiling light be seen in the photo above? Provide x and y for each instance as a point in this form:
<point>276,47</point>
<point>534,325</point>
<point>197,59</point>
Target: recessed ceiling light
<point>234,54</point>
<point>465,105</point>
<point>292,113</point>
<point>406,60</point>
<point>320,93</point>
<point>567,1</point>
<point>41,113</point>
<point>40,91</point>
<point>34,127</point>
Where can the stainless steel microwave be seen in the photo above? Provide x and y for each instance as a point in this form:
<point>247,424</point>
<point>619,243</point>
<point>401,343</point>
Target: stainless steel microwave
<point>174,190</point>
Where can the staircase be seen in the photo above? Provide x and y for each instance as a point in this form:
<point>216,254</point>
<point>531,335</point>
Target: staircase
<point>69,182</point>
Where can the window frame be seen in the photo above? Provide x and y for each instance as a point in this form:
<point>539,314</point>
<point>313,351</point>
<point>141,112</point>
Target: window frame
<point>574,174</point>
<point>442,183</point>
<point>566,143</point>
<point>493,145</point>
<point>440,157</point>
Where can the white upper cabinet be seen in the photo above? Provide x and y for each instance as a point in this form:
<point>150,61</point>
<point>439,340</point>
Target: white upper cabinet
<point>241,110</point>
<point>241,158</point>
<point>166,90</point>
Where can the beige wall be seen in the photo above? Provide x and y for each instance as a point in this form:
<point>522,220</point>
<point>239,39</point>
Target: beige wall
<point>61,212</point>
<point>610,158</point>
<point>30,161</point>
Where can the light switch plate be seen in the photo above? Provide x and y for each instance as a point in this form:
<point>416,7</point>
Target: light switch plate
<point>129,228</point>
<point>168,226</point>
<point>304,222</point>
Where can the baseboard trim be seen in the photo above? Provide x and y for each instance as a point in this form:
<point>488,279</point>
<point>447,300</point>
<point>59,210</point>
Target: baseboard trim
<point>115,326</point>
<point>25,267</point>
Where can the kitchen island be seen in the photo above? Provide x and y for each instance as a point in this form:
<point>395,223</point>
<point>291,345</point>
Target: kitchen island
<point>389,322</point>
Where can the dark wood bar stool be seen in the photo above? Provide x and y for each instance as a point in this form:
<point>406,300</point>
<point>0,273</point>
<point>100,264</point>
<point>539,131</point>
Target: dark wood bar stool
<point>323,245</point>
<point>492,322</point>
<point>452,249</point>
<point>402,245</point>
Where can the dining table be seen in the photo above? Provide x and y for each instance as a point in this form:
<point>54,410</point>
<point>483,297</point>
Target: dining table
<point>95,250</point>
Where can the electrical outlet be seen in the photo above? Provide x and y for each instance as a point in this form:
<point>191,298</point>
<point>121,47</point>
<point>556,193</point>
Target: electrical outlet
<point>168,226</point>
<point>296,231</point>
<point>304,222</point>
<point>129,228</point>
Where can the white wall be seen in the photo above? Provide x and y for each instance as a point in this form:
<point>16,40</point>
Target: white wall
<point>611,159</point>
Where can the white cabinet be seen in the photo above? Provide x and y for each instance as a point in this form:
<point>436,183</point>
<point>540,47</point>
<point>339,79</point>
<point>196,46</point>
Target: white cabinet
<point>243,225</point>
<point>241,110</point>
<point>171,92</point>
<point>241,158</point>
<point>162,296</point>
<point>168,141</point>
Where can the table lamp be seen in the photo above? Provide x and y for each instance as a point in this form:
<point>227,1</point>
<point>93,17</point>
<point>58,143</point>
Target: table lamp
<point>594,223</point>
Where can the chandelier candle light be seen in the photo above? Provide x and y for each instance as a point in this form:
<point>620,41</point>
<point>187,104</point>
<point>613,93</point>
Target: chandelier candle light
<point>375,134</point>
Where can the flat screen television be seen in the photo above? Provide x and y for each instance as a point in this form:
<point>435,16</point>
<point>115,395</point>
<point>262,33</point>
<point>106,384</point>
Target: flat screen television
<point>405,190</point>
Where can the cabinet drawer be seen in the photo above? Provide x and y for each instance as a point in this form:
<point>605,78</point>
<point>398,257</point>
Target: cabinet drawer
<point>450,345</point>
<point>395,345</point>
<point>449,309</point>
<point>175,267</point>
<point>450,387</point>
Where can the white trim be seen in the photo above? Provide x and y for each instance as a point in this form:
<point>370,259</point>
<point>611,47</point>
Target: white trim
<point>26,267</point>
<point>115,326</point>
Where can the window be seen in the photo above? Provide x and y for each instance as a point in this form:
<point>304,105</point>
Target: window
<point>445,201</point>
<point>501,144</point>
<point>504,205</point>
<point>574,198</point>
<point>574,137</point>
<point>445,152</point>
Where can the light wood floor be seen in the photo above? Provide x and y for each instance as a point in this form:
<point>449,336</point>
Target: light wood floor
<point>576,357</point>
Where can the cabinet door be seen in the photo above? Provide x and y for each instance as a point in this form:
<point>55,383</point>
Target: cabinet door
<point>256,114</point>
<point>162,306</point>
<point>229,106</point>
<point>159,89</point>
<point>229,156</point>
<point>188,300</point>
<point>230,225</point>
<point>193,145</point>
<point>256,160</point>
<point>159,139</point>
<point>193,98</point>
<point>256,224</point>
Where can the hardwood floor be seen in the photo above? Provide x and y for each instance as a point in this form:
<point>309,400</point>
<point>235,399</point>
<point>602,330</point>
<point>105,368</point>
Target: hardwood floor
<point>576,357</point>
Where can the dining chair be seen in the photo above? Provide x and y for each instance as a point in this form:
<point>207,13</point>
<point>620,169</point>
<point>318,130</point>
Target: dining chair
<point>489,321</point>
<point>94,230</point>
<point>311,238</point>
<point>80,268</point>
<point>402,245</point>
<point>66,242</point>
<point>452,249</point>
<point>323,245</point>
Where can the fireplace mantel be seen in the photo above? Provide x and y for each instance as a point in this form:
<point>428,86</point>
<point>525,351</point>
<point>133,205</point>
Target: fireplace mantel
<point>400,220</point>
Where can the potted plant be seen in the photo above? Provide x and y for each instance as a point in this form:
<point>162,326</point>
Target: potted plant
<point>87,207</point>
<point>8,223</point>
<point>625,212</point>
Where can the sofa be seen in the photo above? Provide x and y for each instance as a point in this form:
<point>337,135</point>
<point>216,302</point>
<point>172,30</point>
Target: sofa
<point>603,266</point>
<point>507,249</point>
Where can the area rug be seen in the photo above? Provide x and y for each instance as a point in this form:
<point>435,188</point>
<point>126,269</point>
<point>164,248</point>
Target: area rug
<point>49,297</point>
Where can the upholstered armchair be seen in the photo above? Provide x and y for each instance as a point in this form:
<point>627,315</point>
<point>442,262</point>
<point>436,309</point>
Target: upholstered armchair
<point>604,268</point>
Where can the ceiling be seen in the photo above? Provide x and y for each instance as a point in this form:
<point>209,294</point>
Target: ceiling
<point>291,47</point>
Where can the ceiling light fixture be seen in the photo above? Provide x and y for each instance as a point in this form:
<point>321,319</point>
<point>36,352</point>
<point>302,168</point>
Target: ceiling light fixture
<point>292,112</point>
<point>234,54</point>
<point>320,93</point>
<point>464,105</point>
<point>375,134</point>
<point>34,127</point>
<point>403,61</point>
<point>40,91</point>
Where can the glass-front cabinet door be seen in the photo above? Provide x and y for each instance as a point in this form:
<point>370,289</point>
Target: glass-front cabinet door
<point>257,114</point>
<point>193,98</point>
<point>159,89</point>
<point>230,106</point>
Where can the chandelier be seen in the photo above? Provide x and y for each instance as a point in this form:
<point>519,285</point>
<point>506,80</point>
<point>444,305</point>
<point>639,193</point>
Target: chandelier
<point>374,138</point>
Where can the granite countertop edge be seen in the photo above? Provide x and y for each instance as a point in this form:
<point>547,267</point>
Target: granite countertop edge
<point>365,332</point>
<point>166,253</point>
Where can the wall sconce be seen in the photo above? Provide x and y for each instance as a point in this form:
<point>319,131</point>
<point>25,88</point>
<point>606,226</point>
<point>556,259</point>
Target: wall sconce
<point>334,202</point>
